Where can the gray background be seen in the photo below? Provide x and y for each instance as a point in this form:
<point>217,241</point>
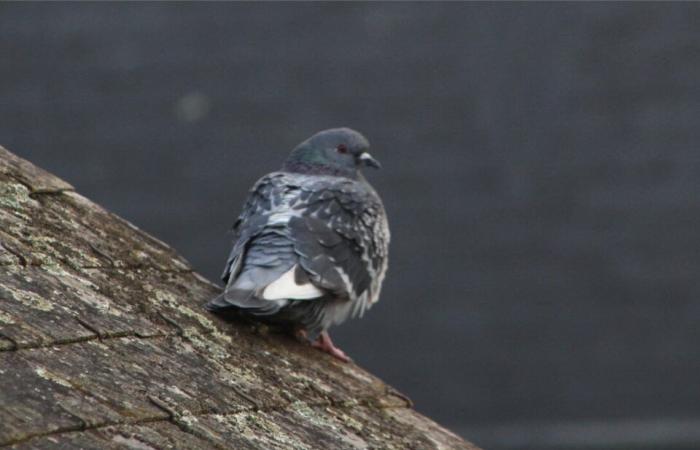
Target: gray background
<point>541,176</point>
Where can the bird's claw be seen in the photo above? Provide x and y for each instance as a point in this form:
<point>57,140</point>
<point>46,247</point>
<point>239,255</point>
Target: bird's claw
<point>325,344</point>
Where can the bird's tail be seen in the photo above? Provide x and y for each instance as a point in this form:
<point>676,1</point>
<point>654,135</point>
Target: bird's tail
<point>218,303</point>
<point>243,300</point>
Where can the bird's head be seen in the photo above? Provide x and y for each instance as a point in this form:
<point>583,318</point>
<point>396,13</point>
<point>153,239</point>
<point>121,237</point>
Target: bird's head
<point>338,151</point>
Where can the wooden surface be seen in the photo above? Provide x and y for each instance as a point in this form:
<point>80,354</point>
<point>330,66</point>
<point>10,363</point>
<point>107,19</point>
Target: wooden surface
<point>104,344</point>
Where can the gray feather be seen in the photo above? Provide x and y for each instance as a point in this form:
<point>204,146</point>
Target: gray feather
<point>333,228</point>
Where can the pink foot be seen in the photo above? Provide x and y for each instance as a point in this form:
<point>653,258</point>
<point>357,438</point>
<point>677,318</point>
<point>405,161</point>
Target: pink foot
<point>325,343</point>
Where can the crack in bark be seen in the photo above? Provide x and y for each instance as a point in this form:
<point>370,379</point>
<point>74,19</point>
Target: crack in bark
<point>23,262</point>
<point>175,417</point>
<point>81,339</point>
<point>13,342</point>
<point>34,191</point>
<point>84,427</point>
<point>134,267</point>
<point>99,252</point>
<point>180,331</point>
<point>17,254</point>
<point>88,327</point>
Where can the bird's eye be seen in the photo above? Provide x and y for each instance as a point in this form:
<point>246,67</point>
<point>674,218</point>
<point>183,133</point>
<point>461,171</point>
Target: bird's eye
<point>342,148</point>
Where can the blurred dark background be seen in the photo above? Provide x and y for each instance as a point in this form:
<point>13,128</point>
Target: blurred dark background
<point>542,174</point>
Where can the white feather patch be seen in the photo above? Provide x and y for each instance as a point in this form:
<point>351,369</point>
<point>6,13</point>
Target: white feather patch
<point>286,287</point>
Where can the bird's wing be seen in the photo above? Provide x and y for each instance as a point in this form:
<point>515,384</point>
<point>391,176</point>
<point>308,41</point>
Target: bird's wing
<point>303,239</point>
<point>333,242</point>
<point>253,218</point>
<point>342,239</point>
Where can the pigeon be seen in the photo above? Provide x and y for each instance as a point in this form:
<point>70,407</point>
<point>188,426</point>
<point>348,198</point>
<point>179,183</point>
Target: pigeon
<point>311,245</point>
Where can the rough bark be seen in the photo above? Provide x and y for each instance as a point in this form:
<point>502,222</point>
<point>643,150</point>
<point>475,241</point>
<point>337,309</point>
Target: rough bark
<point>104,344</point>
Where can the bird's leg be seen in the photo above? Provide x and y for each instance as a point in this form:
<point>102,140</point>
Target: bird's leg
<point>324,342</point>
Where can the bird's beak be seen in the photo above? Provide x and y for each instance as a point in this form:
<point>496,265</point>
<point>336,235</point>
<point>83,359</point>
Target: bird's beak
<point>367,161</point>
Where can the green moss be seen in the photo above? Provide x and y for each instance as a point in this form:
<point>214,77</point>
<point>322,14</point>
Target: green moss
<point>262,430</point>
<point>28,298</point>
<point>14,196</point>
<point>50,376</point>
<point>6,318</point>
